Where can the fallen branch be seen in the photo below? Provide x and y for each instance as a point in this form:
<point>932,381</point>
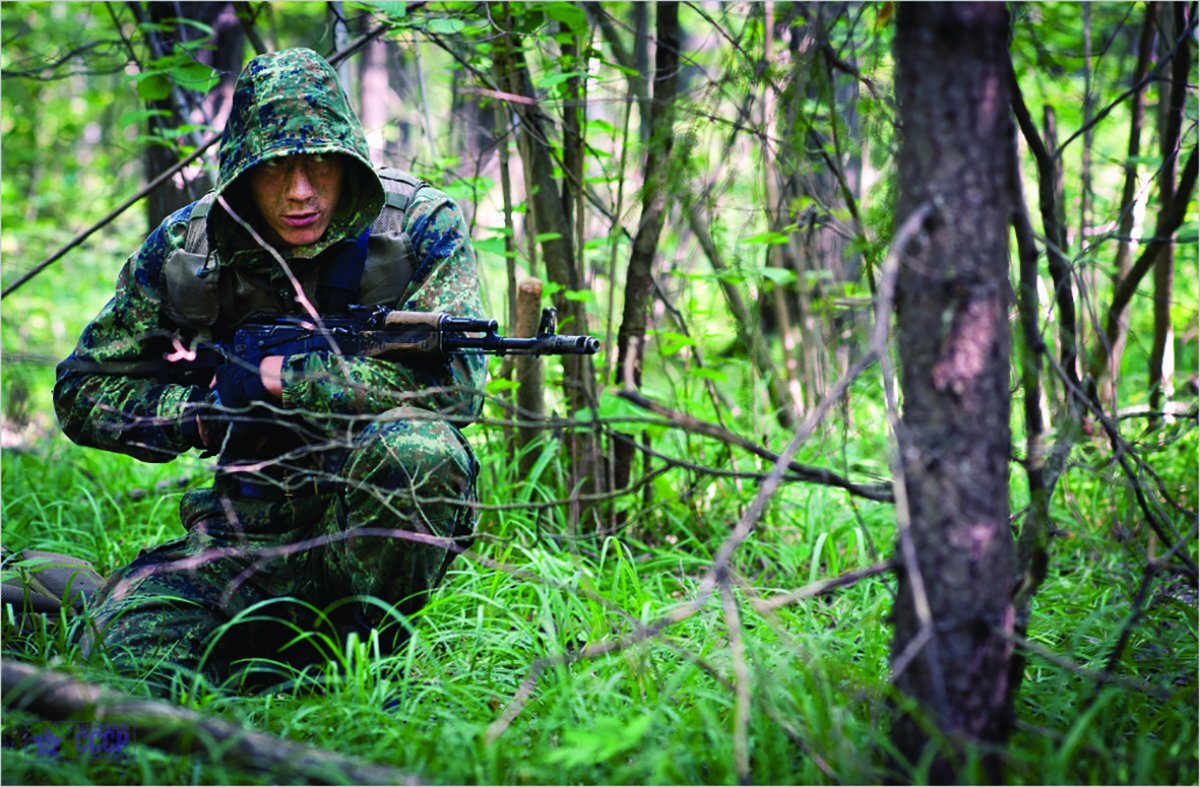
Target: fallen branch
<point>1101,678</point>
<point>823,586</point>
<point>59,697</point>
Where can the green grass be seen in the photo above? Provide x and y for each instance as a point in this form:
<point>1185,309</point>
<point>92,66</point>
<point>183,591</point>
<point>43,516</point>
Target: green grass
<point>663,710</point>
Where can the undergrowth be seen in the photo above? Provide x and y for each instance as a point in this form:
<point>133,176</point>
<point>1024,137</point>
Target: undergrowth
<point>661,710</point>
<point>534,590</point>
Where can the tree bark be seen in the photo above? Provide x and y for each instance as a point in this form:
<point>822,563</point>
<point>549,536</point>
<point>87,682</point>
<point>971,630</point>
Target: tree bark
<point>955,597</point>
<point>1162,362</point>
<point>555,234</point>
<point>1106,379</point>
<point>639,278</point>
<point>188,106</point>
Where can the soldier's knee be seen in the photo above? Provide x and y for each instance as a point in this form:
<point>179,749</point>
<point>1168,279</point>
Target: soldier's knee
<point>413,448</point>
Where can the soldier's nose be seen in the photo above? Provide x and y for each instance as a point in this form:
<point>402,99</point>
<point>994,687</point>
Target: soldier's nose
<point>299,185</point>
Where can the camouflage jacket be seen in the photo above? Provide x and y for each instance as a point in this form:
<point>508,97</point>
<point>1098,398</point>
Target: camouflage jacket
<point>285,103</point>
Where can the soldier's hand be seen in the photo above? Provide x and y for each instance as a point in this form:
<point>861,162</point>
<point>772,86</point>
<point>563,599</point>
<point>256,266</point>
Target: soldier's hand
<point>232,423</point>
<point>270,370</point>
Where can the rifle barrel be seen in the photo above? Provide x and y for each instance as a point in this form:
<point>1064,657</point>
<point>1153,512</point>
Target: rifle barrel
<point>553,344</point>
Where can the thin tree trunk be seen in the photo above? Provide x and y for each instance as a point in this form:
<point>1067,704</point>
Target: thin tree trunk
<point>572,129</point>
<point>531,383</point>
<point>1033,551</point>
<point>186,106</point>
<point>510,243</point>
<point>1107,378</point>
<point>375,90</point>
<point>588,467</point>
<point>788,331</point>
<point>641,63</point>
<point>636,79</point>
<point>746,325</point>
<point>1162,361</point>
<point>954,605</point>
<point>1057,260</point>
<point>1050,206</point>
<point>639,279</point>
<point>1170,218</point>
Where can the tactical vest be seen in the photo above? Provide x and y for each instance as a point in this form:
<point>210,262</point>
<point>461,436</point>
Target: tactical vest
<point>201,295</point>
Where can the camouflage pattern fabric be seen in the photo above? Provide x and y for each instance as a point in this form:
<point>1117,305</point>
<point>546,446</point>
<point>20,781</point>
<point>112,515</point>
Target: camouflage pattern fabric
<point>302,563</point>
<point>358,442</point>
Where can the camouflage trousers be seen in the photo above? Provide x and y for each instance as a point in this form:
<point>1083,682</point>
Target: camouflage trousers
<point>261,581</point>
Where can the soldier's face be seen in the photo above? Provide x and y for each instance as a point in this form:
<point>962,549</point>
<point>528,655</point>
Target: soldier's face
<point>297,196</point>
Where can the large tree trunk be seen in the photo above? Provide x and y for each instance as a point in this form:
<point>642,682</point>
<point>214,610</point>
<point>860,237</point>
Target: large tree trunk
<point>955,596</point>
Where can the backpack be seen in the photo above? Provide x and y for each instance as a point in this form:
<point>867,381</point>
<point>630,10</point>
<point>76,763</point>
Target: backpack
<point>200,296</point>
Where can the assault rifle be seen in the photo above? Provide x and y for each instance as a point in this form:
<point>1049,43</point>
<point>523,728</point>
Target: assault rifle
<point>372,332</point>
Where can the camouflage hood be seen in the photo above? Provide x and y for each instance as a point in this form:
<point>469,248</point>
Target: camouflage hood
<point>287,103</point>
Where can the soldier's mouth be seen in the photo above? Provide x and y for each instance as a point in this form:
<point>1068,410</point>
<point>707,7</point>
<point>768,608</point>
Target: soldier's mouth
<point>296,220</point>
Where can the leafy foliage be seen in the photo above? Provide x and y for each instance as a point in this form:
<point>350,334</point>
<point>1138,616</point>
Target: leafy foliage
<point>535,590</point>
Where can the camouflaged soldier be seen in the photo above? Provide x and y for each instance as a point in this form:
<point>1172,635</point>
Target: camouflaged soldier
<point>340,481</point>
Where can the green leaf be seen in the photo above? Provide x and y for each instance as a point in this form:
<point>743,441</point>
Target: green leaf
<point>133,118</point>
<point>491,246</point>
<point>602,125</point>
<point>153,87</point>
<point>192,72</point>
<point>704,373</point>
<point>768,238</point>
<point>614,406</point>
<point>584,296</point>
<point>670,343</point>
<point>779,275</point>
<point>393,11</point>
<point>178,21</point>
<point>733,276</point>
<point>444,26</point>
<point>550,80</point>
<point>620,69</point>
<point>605,739</point>
<point>569,14</point>
<point>498,385</point>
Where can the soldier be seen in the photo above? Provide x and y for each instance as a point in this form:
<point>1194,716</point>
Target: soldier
<point>342,488</point>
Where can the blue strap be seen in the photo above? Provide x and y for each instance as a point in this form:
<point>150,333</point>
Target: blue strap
<point>341,273</point>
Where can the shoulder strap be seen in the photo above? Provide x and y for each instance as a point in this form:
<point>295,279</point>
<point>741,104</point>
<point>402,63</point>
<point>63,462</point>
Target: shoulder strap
<point>197,234</point>
<point>344,280</point>
<point>399,188</point>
